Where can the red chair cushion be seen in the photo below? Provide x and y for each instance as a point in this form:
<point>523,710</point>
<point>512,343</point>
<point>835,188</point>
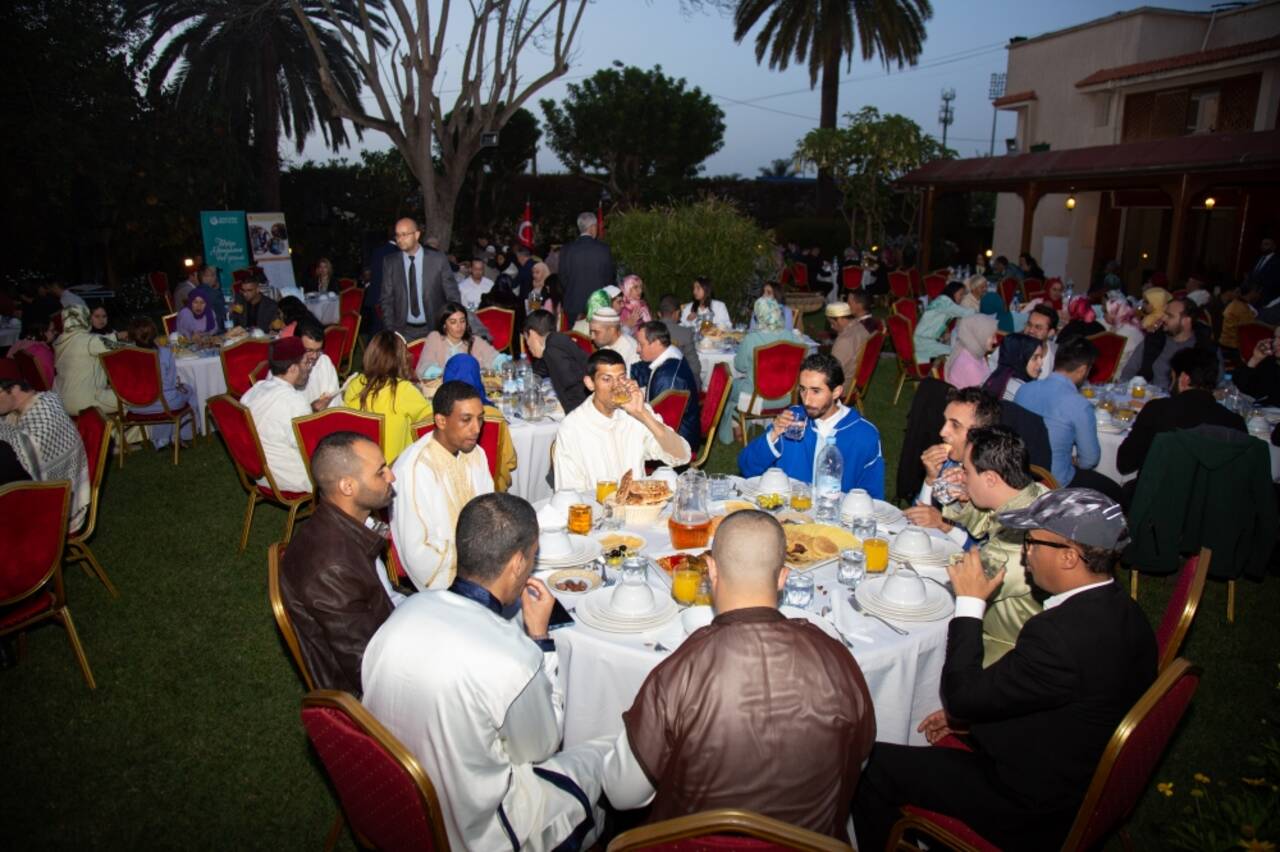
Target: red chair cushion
<point>350,300</point>
<point>1177,602</point>
<point>501,325</point>
<point>157,416</point>
<point>316,429</point>
<point>955,826</point>
<point>239,362</point>
<point>335,341</point>
<point>717,387</point>
<point>236,427</point>
<point>92,427</point>
<point>490,435</point>
<point>134,374</point>
<point>380,799</point>
<point>33,526</point>
<point>777,368</point>
<point>20,612</point>
<point>288,495</point>
<point>900,285</point>
<point>1110,347</point>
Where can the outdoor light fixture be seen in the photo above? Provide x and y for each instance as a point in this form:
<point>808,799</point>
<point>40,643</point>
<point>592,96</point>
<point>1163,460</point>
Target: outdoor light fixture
<point>1209,202</point>
<point>188,262</point>
<point>875,248</point>
<point>1145,255</point>
<point>1071,202</point>
<point>988,253</point>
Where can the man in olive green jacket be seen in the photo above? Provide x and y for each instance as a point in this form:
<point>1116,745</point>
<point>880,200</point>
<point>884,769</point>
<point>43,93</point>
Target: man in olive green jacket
<point>997,479</point>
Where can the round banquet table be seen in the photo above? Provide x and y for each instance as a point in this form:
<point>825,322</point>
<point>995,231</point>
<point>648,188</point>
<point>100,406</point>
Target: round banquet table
<point>323,309</point>
<point>203,374</point>
<point>10,328</point>
<point>601,673</point>
<point>532,442</point>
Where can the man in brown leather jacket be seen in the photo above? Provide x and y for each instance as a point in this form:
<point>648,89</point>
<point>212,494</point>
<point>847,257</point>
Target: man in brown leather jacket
<point>332,580</point>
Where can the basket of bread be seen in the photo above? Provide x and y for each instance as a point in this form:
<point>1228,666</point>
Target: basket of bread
<point>641,501</point>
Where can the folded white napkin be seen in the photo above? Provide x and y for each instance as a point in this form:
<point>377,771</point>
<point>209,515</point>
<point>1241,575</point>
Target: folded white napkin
<point>848,622</point>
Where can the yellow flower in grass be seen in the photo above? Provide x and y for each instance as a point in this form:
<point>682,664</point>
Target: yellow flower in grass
<point>1197,793</point>
<point>1201,778</point>
<point>1254,782</point>
<point>1165,788</point>
<point>1258,845</point>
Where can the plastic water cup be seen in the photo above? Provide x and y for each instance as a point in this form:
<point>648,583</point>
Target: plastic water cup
<point>795,431</point>
<point>853,568</point>
<point>798,590</point>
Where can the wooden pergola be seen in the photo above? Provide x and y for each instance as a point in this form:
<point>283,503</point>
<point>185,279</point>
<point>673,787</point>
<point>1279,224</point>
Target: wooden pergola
<point>1184,168</point>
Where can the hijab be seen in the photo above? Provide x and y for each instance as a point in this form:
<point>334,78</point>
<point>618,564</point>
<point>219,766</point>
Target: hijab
<point>1120,313</point>
<point>465,368</point>
<point>597,300</point>
<point>1014,353</point>
<point>75,318</point>
<point>1080,309</point>
<point>202,292</point>
<point>972,335</point>
<point>1157,299</point>
<point>634,309</point>
<point>768,314</point>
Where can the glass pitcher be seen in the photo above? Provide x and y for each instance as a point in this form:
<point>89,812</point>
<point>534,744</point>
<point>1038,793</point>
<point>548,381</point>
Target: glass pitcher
<point>690,522</point>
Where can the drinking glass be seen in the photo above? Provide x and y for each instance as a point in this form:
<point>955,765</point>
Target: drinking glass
<point>703,597</point>
<point>877,553</point>
<point>605,487</point>
<point>853,567</point>
<point>795,431</point>
<point>580,519</point>
<point>801,498</point>
<point>798,590</point>
<point>684,585</point>
<point>863,528</point>
<point>720,486</point>
<point>621,393</point>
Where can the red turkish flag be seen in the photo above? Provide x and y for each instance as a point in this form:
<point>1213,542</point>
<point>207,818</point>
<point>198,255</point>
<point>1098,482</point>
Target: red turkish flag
<point>600,221</point>
<point>525,231</point>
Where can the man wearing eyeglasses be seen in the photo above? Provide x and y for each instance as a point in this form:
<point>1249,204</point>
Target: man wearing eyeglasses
<point>1038,720</point>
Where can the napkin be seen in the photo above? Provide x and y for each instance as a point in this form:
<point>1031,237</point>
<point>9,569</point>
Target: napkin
<point>848,622</point>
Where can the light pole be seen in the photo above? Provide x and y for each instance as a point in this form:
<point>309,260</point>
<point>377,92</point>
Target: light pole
<point>996,90</point>
<point>946,115</point>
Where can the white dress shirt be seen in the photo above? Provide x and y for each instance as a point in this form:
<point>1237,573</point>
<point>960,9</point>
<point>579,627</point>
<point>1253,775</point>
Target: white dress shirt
<point>475,700</point>
<point>421,524</point>
<point>591,447</point>
<point>323,380</point>
<point>625,346</point>
<point>274,403</point>
<point>471,290</point>
<point>970,607</point>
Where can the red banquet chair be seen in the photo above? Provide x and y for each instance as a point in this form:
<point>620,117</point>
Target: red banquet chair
<point>239,361</point>
<point>900,285</point>
<point>1033,288</point>
<point>501,323</point>
<point>1250,333</point>
<point>241,438</point>
<point>800,276</point>
<point>159,282</point>
<point>934,284</point>
<point>916,289</point>
<point>908,309</point>
<point>134,374</point>
<point>905,349</point>
<point>1123,771</point>
<point>861,380</point>
<point>422,427</point>
<point>415,348</point>
<point>335,343</point>
<point>386,796</point>
<point>725,829</point>
<point>170,323</point>
<point>351,322</point>
<point>311,429</point>
<point>30,370</point>
<point>95,434</point>
<point>1110,347</point>
<point>851,278</point>
<point>670,406</point>
<point>1181,610</point>
<point>584,343</point>
<point>490,439</point>
<point>1008,289</point>
<point>345,284</point>
<point>714,402</point>
<point>33,526</point>
<point>777,371</point>
<point>350,299</point>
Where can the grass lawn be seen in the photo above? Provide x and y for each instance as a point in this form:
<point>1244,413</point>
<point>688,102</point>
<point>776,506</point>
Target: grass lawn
<point>192,739</point>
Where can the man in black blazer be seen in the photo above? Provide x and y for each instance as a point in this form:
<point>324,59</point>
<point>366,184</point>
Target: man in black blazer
<point>412,307</point>
<point>1264,277</point>
<point>586,265</point>
<point>1194,375</point>
<point>1040,717</point>
<point>556,357</point>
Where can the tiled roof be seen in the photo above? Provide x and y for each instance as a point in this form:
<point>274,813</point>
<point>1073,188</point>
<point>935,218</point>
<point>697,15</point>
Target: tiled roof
<point>1185,60</point>
<point>1015,98</point>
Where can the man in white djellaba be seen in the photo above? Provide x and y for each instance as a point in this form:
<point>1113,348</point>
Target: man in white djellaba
<point>485,718</point>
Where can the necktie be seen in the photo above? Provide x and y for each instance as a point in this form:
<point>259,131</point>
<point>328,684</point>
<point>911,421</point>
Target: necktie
<point>415,301</point>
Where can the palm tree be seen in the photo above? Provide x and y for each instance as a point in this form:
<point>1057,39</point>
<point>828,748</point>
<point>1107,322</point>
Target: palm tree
<point>827,31</point>
<point>252,58</point>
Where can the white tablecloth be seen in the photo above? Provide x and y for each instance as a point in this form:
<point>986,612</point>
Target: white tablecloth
<point>203,374</point>
<point>325,310</point>
<point>1110,444</point>
<point>9,335</point>
<point>532,442</point>
<point>602,672</point>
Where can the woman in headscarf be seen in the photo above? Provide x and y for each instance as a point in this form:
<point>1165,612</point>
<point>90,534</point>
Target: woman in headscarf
<point>1020,359</point>
<point>465,368</point>
<point>451,337</point>
<point>634,308</point>
<point>80,379</point>
<point>196,319</point>
<point>777,291</point>
<point>973,340</point>
<point>387,387</point>
<point>1123,320</point>
<point>928,333</point>
<point>769,328</point>
<point>1154,301</point>
<point>1083,323</point>
<point>142,333</point>
<point>37,341</point>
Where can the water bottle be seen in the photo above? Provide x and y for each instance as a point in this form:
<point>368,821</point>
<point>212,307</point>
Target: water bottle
<point>1071,290</point>
<point>1015,304</point>
<point>522,372</point>
<point>828,481</point>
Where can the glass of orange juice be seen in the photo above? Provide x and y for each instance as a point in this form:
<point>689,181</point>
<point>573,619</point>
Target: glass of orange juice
<point>877,553</point>
<point>684,585</point>
<point>801,498</point>
<point>604,488</point>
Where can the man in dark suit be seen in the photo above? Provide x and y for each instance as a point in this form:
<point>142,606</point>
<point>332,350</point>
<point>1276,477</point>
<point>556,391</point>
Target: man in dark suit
<point>416,282</point>
<point>370,310</point>
<point>586,265</point>
<point>1039,718</point>
<point>681,336</point>
<point>251,309</point>
<point>1194,375</point>
<point>1264,276</point>
<point>556,357</point>
<point>661,368</point>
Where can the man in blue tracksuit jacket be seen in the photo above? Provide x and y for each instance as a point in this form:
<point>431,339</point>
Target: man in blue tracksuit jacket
<point>821,390</point>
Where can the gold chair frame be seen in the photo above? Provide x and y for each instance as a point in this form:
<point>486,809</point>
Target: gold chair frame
<point>1044,477</point>
<point>1194,594</point>
<point>77,547</point>
<point>726,821</point>
<point>328,412</point>
<point>120,422</point>
<point>274,554</point>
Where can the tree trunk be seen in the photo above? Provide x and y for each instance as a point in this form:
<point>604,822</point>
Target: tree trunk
<point>267,130</point>
<point>826,200</point>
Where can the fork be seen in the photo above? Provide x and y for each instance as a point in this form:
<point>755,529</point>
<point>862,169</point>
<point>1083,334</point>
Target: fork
<point>857,607</point>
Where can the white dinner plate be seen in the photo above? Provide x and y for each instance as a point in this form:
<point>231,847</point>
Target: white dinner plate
<point>583,551</point>
<point>938,604</point>
<point>594,611</point>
